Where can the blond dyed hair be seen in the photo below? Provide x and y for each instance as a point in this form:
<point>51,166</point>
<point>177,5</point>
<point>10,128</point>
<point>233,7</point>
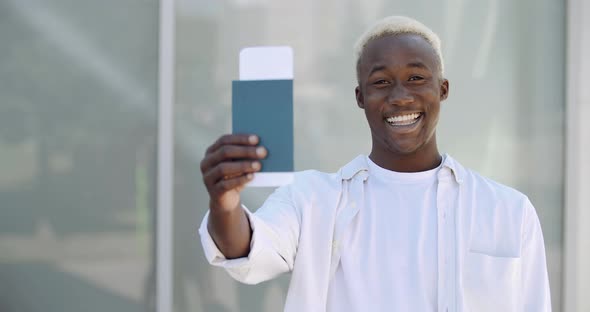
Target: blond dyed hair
<point>397,25</point>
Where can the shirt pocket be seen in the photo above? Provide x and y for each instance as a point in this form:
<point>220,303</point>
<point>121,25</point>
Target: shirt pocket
<point>492,263</point>
<point>491,283</point>
<point>496,230</point>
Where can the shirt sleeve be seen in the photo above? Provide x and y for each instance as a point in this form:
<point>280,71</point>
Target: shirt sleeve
<point>275,233</point>
<point>536,294</point>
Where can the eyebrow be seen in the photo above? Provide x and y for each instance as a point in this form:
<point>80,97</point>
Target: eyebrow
<point>417,65</point>
<point>376,68</point>
<point>380,67</point>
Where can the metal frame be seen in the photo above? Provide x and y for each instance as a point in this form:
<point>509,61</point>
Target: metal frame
<point>165,179</point>
<point>577,179</point>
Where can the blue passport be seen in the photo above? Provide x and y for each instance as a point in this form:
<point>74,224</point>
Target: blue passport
<point>265,108</point>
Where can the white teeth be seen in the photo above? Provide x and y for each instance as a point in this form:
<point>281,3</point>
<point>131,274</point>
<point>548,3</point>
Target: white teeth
<point>403,119</point>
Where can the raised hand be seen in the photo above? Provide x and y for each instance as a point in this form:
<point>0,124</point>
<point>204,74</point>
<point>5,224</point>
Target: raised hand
<point>227,166</point>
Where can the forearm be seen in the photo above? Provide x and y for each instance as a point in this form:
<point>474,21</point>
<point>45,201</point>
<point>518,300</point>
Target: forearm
<point>230,231</point>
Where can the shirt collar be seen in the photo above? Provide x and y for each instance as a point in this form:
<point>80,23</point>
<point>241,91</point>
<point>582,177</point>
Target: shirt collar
<point>455,167</point>
<point>359,166</point>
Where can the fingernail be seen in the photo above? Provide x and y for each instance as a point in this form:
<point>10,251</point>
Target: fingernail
<point>249,176</point>
<point>255,165</point>
<point>260,151</point>
<point>253,139</point>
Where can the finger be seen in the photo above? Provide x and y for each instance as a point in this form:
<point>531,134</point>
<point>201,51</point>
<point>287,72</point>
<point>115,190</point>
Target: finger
<point>228,170</point>
<point>233,139</point>
<point>234,183</point>
<point>231,152</point>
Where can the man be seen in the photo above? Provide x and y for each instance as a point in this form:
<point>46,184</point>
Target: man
<point>404,229</point>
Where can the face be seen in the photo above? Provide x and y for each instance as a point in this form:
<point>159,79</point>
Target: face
<point>400,89</point>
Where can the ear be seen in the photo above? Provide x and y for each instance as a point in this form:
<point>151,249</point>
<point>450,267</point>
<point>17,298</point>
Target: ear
<point>444,89</point>
<point>360,101</point>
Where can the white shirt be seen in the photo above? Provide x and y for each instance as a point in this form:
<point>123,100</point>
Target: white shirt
<point>388,257</point>
<point>490,254</point>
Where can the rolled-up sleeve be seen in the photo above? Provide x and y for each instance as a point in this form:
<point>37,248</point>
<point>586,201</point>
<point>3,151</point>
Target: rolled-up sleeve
<point>275,232</point>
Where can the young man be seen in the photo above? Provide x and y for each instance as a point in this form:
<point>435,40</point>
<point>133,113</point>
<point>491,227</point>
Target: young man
<point>404,229</point>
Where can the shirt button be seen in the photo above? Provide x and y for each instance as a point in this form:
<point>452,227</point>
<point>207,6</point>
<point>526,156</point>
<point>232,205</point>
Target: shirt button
<point>353,205</point>
<point>334,246</point>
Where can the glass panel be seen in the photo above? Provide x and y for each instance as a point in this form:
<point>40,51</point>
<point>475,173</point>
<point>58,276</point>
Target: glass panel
<point>77,155</point>
<point>501,119</point>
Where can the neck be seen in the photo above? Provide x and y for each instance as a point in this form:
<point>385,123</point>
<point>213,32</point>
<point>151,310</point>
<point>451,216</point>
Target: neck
<point>417,161</point>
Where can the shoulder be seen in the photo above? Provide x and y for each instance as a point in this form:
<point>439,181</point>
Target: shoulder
<point>500,190</point>
<point>314,178</point>
<point>311,182</point>
<point>499,214</point>
<point>485,187</point>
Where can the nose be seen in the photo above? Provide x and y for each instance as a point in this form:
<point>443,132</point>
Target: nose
<point>400,95</point>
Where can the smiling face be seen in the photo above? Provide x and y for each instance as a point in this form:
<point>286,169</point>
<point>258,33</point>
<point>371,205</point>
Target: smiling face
<point>400,89</point>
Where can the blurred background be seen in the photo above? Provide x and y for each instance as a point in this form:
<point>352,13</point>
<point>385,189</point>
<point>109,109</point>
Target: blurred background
<point>79,98</point>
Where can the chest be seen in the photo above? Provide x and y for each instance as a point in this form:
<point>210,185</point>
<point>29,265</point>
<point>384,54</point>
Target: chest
<point>397,225</point>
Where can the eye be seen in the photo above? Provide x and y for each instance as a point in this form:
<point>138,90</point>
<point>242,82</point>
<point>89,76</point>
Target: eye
<point>415,78</point>
<point>381,82</point>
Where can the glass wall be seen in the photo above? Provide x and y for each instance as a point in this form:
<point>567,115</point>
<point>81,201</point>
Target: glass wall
<point>504,117</point>
<point>78,90</point>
